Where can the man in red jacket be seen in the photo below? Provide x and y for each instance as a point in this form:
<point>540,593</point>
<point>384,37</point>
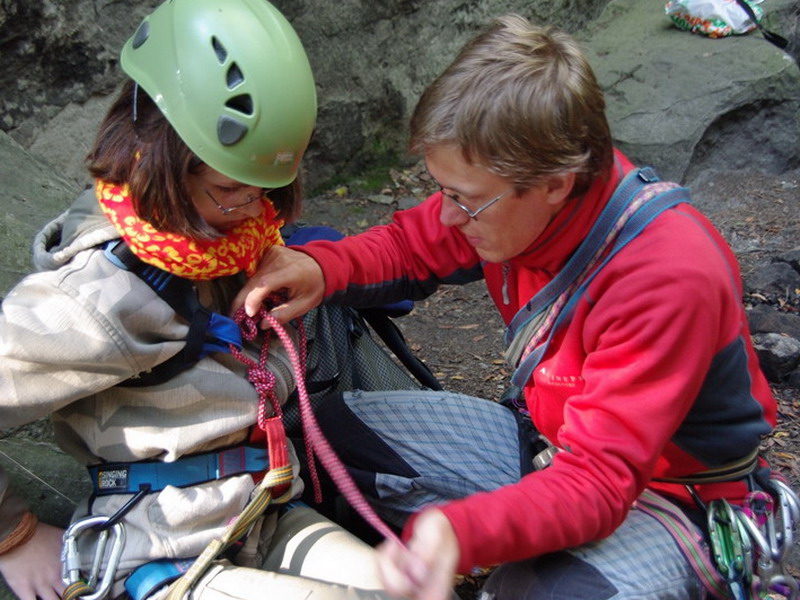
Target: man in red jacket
<point>638,371</point>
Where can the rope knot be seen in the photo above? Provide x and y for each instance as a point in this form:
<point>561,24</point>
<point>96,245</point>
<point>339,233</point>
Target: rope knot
<point>263,379</point>
<point>247,324</point>
<point>316,444</point>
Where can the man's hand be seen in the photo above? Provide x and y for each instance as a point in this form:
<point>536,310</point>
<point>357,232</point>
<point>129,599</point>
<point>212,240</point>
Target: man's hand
<point>425,570</point>
<point>33,570</point>
<point>286,271</point>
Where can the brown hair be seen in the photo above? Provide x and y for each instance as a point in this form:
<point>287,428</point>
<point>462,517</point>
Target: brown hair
<point>523,102</point>
<point>148,155</point>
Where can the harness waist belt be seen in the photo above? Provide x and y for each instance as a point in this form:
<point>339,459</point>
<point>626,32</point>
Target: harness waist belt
<point>730,472</point>
<point>129,478</point>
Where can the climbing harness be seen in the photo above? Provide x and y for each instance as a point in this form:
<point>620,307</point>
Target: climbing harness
<point>211,332</point>
<point>274,487</point>
<point>748,544</point>
<point>127,478</point>
<point>280,474</point>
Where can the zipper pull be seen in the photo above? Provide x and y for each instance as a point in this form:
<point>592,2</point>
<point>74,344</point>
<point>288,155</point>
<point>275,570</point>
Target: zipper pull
<point>506,269</point>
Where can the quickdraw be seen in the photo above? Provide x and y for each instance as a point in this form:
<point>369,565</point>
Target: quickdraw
<point>731,549</point>
<point>750,543</point>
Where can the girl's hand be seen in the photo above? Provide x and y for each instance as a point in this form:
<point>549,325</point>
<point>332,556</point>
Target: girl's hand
<point>33,570</point>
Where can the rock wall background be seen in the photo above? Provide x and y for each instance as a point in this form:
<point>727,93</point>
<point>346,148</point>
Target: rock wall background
<point>680,101</point>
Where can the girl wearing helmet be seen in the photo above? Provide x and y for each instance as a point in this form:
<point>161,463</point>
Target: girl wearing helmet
<point>196,171</point>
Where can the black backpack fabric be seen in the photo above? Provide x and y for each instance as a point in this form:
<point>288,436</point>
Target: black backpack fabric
<point>350,349</point>
<point>345,352</point>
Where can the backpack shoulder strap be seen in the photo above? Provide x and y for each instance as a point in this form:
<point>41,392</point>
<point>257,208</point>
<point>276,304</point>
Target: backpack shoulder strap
<point>590,247</point>
<point>208,331</point>
<point>639,199</point>
<point>379,318</point>
<point>772,37</point>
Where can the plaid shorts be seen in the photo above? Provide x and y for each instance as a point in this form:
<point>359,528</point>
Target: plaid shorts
<point>408,449</point>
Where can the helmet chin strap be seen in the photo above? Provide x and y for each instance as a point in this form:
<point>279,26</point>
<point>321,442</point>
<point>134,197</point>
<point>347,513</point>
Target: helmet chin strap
<point>135,101</point>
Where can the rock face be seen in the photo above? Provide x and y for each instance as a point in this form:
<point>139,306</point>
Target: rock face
<point>58,55</point>
<point>679,101</point>
<point>689,103</point>
<point>32,193</point>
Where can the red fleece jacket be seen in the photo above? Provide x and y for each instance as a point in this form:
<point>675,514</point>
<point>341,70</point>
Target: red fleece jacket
<point>654,376</point>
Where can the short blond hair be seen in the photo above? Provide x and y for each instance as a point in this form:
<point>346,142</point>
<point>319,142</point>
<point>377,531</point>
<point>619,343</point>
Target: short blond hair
<point>521,101</point>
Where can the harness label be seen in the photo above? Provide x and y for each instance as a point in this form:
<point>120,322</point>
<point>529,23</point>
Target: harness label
<point>109,480</point>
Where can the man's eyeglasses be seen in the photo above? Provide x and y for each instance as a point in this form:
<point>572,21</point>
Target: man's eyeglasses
<point>226,210</point>
<point>473,214</point>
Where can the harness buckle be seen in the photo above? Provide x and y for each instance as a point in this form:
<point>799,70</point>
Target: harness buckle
<point>543,459</point>
<point>71,561</point>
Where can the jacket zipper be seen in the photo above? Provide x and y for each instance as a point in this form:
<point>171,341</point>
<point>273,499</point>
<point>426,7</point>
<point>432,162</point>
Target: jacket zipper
<point>506,270</point>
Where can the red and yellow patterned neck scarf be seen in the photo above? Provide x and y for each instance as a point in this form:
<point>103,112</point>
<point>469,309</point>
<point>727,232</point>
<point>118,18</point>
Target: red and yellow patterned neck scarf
<point>239,250</point>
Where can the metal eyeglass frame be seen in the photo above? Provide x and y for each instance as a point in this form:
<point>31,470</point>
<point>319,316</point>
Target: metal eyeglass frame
<point>473,214</point>
<point>226,210</point>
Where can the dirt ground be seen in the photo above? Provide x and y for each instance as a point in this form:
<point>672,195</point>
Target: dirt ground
<point>458,333</point>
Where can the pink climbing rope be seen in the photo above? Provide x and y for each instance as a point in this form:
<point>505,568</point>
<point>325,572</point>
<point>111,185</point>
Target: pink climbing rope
<point>264,382</point>
<point>316,443</point>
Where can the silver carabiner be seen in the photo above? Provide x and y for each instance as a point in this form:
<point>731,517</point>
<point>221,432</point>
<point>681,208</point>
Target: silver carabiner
<point>789,511</point>
<point>787,495</point>
<point>71,559</point>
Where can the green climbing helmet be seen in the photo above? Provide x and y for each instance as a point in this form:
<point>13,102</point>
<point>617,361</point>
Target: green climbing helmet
<point>234,81</point>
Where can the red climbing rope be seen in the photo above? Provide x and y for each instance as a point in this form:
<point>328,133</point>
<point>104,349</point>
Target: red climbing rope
<point>316,443</point>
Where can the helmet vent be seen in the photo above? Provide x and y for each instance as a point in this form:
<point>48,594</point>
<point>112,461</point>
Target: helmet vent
<point>219,50</point>
<point>234,76</point>
<point>229,130</point>
<point>242,103</point>
<point>141,35</point>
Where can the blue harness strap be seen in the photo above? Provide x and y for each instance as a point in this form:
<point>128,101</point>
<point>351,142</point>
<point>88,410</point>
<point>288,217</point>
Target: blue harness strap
<point>129,478</point>
<point>208,331</point>
<point>152,576</point>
